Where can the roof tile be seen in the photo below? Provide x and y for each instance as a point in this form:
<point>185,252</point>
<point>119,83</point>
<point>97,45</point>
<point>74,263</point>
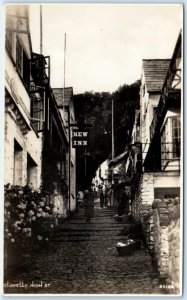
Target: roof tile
<point>155,71</point>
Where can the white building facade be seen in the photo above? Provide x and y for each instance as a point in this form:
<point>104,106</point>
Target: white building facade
<point>22,143</point>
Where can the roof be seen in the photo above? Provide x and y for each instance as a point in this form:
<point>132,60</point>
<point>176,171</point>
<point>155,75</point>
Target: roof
<point>118,159</point>
<point>155,71</point>
<point>59,94</point>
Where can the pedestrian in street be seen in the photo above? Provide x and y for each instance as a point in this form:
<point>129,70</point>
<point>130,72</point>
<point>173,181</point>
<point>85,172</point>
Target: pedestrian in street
<point>105,197</point>
<point>56,206</point>
<point>115,198</point>
<point>101,196</point>
<point>109,196</point>
<point>80,199</point>
<point>89,205</point>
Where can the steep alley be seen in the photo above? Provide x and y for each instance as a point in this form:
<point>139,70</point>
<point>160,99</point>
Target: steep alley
<point>83,260</point>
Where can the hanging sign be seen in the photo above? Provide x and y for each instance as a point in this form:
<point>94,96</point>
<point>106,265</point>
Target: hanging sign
<point>80,138</point>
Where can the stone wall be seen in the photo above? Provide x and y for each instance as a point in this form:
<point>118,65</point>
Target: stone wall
<point>147,230</point>
<point>166,235</point>
<point>144,196</point>
<point>147,191</point>
<point>160,236</point>
<point>160,221</point>
<point>142,207</point>
<point>174,242</point>
<point>136,205</point>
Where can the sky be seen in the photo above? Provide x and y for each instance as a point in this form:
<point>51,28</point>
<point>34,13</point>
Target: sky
<point>105,43</point>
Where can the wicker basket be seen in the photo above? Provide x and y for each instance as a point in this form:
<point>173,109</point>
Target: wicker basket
<point>127,249</point>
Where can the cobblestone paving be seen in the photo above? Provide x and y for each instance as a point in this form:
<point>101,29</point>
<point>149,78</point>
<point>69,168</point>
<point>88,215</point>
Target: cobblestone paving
<point>84,260</point>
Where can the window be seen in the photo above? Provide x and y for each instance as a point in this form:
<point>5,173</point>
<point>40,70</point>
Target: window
<point>26,69</point>
<point>176,133</point>
<point>165,145</point>
<point>17,171</point>
<point>170,141</point>
<point>22,63</point>
<point>19,56</point>
<point>165,193</point>
<point>31,171</point>
<point>38,111</point>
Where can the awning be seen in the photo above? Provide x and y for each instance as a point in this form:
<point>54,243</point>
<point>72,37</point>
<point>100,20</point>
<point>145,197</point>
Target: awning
<point>125,182</point>
<point>118,159</point>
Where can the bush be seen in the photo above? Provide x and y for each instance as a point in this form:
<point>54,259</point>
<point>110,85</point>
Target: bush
<point>28,217</point>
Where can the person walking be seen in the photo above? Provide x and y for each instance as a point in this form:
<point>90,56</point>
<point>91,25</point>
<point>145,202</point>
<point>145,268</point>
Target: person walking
<point>89,205</point>
<point>56,206</point>
<point>105,197</point>
<point>109,196</point>
<point>80,199</point>
<point>101,195</point>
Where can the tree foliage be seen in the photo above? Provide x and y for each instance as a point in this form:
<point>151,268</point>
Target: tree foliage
<point>96,109</point>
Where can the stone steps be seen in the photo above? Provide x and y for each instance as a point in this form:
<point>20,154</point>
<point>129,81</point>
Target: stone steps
<point>83,259</point>
<point>89,233</point>
<point>83,239</point>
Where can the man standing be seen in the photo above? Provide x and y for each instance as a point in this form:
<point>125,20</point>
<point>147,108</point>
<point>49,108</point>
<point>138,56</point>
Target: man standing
<point>101,195</point>
<point>89,205</point>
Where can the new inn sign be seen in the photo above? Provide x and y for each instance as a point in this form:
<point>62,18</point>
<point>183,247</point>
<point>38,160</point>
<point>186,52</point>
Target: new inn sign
<point>80,138</point>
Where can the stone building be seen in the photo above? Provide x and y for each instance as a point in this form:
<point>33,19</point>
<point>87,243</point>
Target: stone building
<point>55,155</point>
<point>101,175</point>
<point>160,135</point>
<point>65,104</point>
<point>36,140</point>
<point>23,144</point>
<point>154,163</point>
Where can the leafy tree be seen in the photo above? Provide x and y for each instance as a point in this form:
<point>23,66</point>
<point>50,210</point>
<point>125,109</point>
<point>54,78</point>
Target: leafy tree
<point>96,109</point>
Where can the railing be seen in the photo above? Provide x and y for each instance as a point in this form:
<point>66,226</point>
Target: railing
<point>39,84</point>
<point>40,71</point>
<point>169,158</point>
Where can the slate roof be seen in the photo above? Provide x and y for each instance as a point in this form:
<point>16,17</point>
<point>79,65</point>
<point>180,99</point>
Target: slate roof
<point>155,71</point>
<point>58,93</point>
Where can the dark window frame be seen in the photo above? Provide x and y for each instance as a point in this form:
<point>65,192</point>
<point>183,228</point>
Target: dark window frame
<point>22,63</point>
<point>176,136</point>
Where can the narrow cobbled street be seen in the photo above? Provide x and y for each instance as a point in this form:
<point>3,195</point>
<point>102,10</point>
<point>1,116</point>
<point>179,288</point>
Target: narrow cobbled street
<point>83,260</point>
